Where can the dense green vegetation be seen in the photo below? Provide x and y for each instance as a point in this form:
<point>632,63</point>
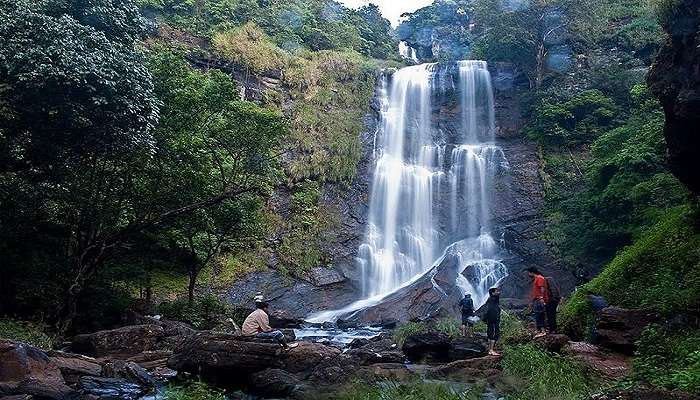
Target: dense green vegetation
<point>157,176</point>
<point>193,390</point>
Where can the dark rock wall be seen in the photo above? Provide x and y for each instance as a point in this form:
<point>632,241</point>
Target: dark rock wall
<point>675,79</point>
<point>518,208</point>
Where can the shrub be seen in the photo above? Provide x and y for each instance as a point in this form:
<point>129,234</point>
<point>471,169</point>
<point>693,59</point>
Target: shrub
<point>25,332</point>
<point>249,46</point>
<point>204,313</point>
<point>669,359</point>
<point>193,390</point>
<point>545,375</point>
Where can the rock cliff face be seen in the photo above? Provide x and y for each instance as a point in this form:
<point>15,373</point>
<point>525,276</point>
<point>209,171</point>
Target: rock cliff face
<point>518,208</point>
<point>675,79</point>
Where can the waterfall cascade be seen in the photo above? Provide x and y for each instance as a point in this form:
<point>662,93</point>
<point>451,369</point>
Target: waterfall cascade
<point>432,186</point>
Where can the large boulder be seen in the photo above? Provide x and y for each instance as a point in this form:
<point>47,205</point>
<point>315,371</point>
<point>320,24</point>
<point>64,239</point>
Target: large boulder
<point>25,369</point>
<point>222,357</point>
<point>102,388</point>
<point>378,352</point>
<point>306,356</point>
<point>432,295</point>
<point>335,371</point>
<point>465,348</point>
<point>73,366</point>
<point>274,383</point>
<point>619,328</point>
<point>429,347</point>
<point>553,342</point>
<point>675,80</point>
<point>120,343</point>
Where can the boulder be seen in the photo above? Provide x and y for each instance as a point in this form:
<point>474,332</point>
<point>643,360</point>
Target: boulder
<point>73,366</point>
<point>428,347</point>
<point>223,357</point>
<point>306,356</point>
<point>552,342</point>
<point>25,369</point>
<point>675,79</point>
<point>274,383</point>
<point>109,388</point>
<point>334,371</point>
<point>120,343</point>
<point>284,319</point>
<point>619,328</point>
<point>377,352</point>
<point>465,348</point>
<point>130,372</point>
<point>432,295</point>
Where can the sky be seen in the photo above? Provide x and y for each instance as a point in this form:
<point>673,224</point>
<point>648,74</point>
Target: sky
<point>391,9</point>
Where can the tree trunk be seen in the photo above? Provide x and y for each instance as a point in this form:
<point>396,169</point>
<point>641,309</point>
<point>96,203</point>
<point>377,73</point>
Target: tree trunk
<point>190,288</point>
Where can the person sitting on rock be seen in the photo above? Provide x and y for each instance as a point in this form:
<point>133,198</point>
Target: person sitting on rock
<point>257,325</point>
<point>538,299</point>
<point>467,307</point>
<point>492,317</point>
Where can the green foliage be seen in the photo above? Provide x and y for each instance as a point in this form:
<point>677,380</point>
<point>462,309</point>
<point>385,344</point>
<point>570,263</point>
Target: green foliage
<point>193,390</point>
<point>410,391</point>
<point>445,326</point>
<point>250,46</point>
<point>623,187</point>
<point>669,358</point>
<point>204,313</point>
<point>545,376</point>
<point>577,120</point>
<point>292,25</point>
<point>513,330</point>
<point>25,332</point>
<point>660,271</point>
<point>300,250</point>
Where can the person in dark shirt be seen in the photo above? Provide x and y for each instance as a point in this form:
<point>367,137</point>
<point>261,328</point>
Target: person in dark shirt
<point>492,317</point>
<point>467,307</point>
<point>598,303</point>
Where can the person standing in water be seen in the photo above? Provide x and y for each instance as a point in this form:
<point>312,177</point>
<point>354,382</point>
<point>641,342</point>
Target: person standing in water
<point>492,317</point>
<point>538,299</point>
<point>467,307</point>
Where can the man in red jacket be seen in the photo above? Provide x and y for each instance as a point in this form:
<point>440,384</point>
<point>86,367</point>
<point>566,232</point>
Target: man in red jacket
<point>538,298</point>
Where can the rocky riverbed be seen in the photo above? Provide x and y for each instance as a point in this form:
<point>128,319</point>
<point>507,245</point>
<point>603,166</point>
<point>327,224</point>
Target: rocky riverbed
<point>137,361</point>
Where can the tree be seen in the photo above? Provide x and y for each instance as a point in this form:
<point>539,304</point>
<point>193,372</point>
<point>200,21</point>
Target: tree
<point>83,162</point>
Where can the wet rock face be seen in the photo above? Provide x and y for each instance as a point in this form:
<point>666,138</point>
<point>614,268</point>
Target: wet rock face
<point>432,295</point>
<point>675,80</point>
<point>437,347</point>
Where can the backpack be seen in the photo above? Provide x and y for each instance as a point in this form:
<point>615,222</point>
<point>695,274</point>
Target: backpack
<point>552,289</point>
<point>467,306</point>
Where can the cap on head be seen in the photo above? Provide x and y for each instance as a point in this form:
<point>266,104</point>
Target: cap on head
<point>261,304</point>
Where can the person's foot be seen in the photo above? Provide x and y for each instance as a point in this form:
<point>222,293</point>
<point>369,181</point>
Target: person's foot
<point>493,353</point>
<point>291,346</point>
<point>539,335</point>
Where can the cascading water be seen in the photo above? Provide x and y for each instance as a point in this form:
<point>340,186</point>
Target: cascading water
<point>432,187</point>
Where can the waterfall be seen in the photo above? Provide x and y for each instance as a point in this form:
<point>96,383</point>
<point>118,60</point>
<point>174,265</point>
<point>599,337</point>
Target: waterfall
<point>432,187</point>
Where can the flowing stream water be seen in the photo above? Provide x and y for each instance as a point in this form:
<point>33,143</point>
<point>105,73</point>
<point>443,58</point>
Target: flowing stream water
<point>432,187</point>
